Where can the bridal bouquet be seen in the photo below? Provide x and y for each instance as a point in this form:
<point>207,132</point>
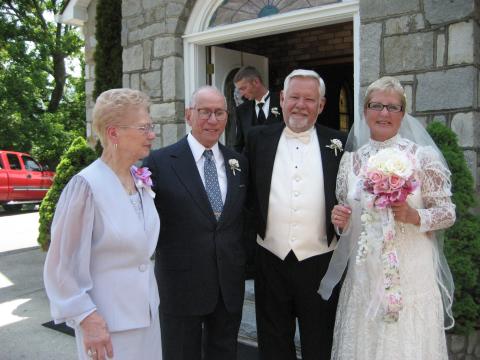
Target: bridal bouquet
<point>390,177</point>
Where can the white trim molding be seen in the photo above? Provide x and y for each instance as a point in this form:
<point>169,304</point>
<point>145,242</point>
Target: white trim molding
<point>75,13</point>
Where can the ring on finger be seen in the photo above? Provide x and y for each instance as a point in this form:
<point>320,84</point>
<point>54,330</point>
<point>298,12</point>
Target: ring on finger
<point>91,353</point>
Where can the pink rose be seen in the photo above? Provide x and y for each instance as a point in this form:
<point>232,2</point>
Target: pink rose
<point>375,176</point>
<point>380,187</point>
<point>396,182</point>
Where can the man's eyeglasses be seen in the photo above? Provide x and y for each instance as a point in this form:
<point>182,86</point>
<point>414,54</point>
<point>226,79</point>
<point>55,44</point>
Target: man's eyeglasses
<point>220,114</point>
<point>393,108</point>
<point>146,129</point>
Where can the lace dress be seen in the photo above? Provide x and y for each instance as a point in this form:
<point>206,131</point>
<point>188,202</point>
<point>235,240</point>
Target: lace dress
<point>418,334</point>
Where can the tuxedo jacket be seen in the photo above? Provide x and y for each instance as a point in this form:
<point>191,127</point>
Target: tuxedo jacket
<point>261,149</point>
<point>197,256</point>
<point>246,117</point>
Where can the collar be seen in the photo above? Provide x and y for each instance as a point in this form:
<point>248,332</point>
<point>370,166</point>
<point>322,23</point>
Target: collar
<point>198,149</point>
<point>304,136</point>
<point>264,98</point>
<point>384,144</point>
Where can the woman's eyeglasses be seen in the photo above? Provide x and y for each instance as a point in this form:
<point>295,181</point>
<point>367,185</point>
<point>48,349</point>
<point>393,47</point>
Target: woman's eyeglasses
<point>393,108</point>
<point>146,129</point>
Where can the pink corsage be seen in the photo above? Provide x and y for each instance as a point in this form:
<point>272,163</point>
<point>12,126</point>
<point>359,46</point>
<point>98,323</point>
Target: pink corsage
<point>143,179</point>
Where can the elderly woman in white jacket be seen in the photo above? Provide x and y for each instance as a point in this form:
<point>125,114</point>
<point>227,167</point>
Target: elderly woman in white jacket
<point>99,271</point>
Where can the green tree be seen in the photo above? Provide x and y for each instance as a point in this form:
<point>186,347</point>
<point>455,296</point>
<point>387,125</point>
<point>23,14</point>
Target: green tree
<point>78,156</point>
<point>35,88</point>
<point>108,51</point>
<point>462,240</point>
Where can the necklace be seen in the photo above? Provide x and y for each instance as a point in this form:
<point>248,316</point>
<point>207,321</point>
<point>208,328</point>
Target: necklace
<point>130,189</point>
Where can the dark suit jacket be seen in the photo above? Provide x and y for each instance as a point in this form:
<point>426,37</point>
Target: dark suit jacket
<point>261,149</point>
<point>197,256</point>
<point>246,118</point>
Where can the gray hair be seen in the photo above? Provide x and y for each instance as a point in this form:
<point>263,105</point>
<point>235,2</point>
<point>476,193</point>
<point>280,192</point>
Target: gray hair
<point>112,104</point>
<point>386,84</point>
<point>194,98</point>
<point>305,74</point>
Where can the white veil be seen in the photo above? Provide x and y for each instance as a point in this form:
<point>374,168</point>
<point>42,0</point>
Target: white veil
<point>346,250</point>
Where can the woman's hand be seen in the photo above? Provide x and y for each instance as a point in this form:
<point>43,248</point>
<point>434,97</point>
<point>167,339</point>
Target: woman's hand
<point>96,337</point>
<point>402,212</point>
<point>341,216</point>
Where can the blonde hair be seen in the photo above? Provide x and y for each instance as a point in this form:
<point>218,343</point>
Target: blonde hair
<point>386,84</point>
<point>111,105</point>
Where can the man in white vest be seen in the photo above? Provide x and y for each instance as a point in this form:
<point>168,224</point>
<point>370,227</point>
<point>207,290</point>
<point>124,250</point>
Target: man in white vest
<point>293,168</point>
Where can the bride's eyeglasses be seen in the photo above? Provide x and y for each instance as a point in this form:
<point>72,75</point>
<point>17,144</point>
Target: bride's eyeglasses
<point>393,108</point>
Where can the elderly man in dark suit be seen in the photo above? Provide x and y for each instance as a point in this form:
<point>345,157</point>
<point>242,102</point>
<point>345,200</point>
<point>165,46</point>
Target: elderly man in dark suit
<point>261,106</point>
<point>200,188</point>
<point>293,169</point>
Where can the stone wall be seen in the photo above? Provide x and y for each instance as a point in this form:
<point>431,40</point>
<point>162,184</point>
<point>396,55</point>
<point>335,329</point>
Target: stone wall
<point>432,47</point>
<point>153,60</point>
<point>464,347</point>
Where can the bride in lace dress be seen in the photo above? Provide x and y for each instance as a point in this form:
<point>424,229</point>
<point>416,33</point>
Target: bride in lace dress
<point>396,298</point>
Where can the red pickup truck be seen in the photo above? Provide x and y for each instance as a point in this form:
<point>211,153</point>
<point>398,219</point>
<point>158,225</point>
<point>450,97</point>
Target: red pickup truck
<point>22,180</point>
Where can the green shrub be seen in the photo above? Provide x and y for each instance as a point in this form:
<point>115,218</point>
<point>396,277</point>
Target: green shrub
<point>462,240</point>
<point>77,156</point>
<point>108,51</point>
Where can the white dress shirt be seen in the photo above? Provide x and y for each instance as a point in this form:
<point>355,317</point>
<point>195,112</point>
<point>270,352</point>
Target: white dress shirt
<point>266,104</point>
<point>197,151</point>
<point>296,210</point>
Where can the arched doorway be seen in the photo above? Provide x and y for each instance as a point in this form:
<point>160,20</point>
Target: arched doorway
<point>198,37</point>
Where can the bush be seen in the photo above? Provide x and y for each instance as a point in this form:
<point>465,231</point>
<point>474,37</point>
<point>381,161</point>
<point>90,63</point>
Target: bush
<point>78,156</point>
<point>108,51</point>
<point>462,240</point>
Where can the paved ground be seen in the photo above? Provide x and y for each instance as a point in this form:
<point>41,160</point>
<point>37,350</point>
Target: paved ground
<point>23,302</point>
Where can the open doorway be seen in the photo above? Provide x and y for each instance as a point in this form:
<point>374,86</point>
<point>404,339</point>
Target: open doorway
<point>327,49</point>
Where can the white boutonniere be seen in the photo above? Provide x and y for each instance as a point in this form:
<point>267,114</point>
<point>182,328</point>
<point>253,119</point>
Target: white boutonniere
<point>274,111</point>
<point>335,145</point>
<point>234,165</point>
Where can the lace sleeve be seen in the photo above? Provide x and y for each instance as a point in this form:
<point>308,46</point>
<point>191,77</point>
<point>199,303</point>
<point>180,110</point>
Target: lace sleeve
<point>341,190</point>
<point>439,212</point>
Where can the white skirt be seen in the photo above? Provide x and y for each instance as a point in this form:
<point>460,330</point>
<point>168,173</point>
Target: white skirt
<point>144,343</point>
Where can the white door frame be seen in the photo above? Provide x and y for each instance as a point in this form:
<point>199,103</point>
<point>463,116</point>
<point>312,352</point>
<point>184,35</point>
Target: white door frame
<point>198,35</point>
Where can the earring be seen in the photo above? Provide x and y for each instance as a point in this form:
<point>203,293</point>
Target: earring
<point>115,146</point>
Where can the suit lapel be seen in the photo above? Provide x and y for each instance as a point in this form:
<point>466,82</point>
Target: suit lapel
<point>233,183</point>
<point>184,166</point>
<point>265,159</point>
<point>329,172</point>
<point>274,103</point>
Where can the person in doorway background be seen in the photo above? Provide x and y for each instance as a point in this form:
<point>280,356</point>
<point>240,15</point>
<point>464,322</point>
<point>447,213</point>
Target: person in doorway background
<point>261,106</point>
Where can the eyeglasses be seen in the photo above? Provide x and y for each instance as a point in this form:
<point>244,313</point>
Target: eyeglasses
<point>393,108</point>
<point>220,114</point>
<point>146,129</point>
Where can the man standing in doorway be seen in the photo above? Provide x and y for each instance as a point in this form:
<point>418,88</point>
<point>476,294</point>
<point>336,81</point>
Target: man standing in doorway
<point>261,107</point>
<point>293,168</point>
<point>200,188</point>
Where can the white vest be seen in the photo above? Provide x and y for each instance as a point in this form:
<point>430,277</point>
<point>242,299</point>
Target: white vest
<point>296,208</point>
